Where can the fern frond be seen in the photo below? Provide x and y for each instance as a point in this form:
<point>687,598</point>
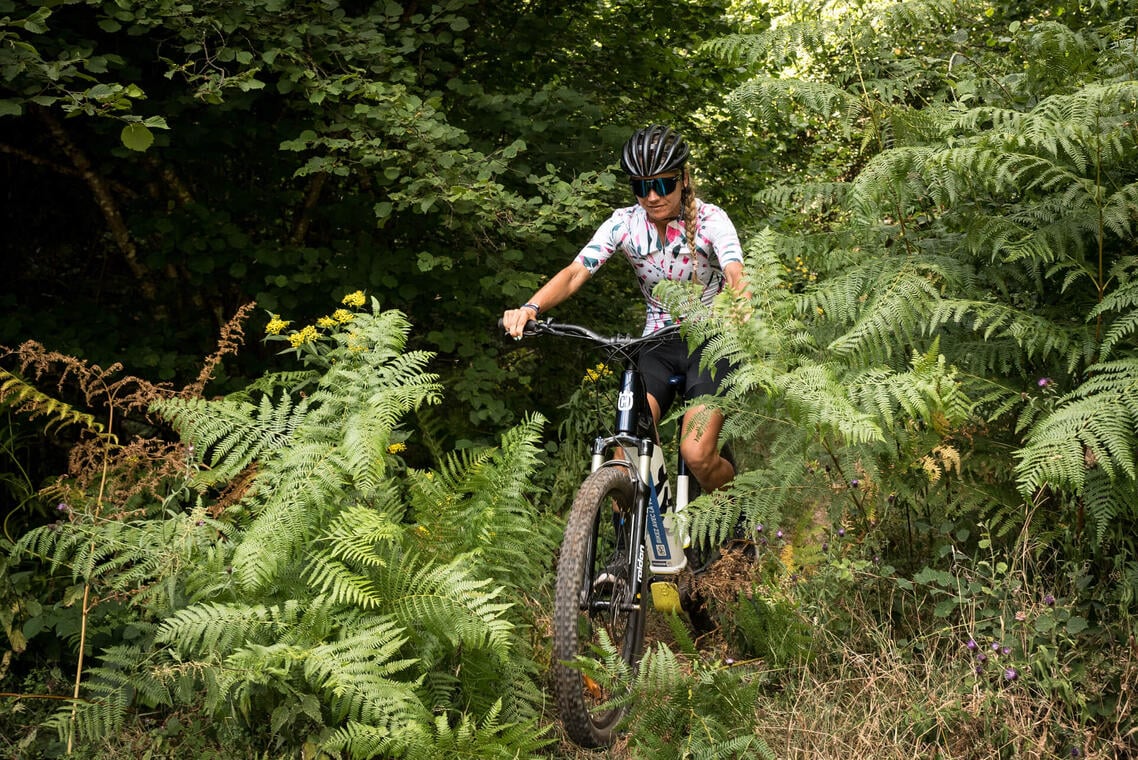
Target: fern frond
<point>477,504</point>
<point>1092,426</point>
<point>1036,336</point>
<point>25,398</point>
<point>465,736</point>
<point>708,713</point>
<point>290,382</point>
<point>359,669</point>
<point>446,602</point>
<point>308,479</point>
<point>121,680</point>
<point>216,628</point>
<point>230,434</point>
<point>893,313</point>
<point>1124,301</point>
<point>769,100</point>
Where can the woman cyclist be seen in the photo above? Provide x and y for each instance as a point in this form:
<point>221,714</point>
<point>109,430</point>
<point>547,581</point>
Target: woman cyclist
<point>668,235</point>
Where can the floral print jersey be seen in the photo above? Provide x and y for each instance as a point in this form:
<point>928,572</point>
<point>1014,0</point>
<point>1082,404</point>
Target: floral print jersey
<point>653,259</point>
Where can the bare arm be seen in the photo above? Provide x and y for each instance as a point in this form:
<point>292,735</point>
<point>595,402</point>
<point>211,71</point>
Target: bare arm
<point>562,285</point>
<point>736,282</point>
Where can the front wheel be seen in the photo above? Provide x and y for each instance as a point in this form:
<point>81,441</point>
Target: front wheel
<point>600,587</point>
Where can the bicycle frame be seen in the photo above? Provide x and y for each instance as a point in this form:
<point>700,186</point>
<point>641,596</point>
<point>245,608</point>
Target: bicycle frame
<point>654,516</point>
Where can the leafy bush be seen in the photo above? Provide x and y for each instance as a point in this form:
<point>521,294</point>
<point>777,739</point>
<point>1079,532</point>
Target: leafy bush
<point>285,573</point>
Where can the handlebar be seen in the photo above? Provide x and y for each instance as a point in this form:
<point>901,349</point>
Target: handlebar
<point>618,342</point>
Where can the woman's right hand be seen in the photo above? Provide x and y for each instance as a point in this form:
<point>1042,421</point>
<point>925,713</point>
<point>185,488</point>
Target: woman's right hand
<point>515,320</point>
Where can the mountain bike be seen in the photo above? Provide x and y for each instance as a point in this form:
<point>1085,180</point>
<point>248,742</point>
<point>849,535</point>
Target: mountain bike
<point>622,546</point>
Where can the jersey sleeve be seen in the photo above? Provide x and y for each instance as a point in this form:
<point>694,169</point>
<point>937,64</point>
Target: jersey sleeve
<point>719,234</point>
<point>606,240</point>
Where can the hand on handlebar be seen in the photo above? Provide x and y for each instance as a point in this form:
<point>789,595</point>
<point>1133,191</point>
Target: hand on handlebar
<point>514,321</point>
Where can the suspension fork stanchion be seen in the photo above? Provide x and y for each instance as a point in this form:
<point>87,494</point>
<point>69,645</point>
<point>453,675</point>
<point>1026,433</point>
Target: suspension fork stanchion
<point>634,554</point>
<point>683,484</point>
<point>638,559</point>
<point>600,449</point>
<point>683,479</point>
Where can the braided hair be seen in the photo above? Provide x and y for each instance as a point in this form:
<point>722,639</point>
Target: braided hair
<point>687,202</point>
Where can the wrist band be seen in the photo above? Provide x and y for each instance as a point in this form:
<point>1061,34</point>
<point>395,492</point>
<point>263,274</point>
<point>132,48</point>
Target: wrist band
<point>535,307</point>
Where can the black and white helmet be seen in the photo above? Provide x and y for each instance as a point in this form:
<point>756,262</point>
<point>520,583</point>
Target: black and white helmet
<point>653,150</point>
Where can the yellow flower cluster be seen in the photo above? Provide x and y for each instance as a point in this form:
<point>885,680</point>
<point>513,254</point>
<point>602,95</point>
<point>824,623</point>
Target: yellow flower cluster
<point>276,324</point>
<point>354,299</point>
<point>327,322</point>
<point>802,270</point>
<point>593,374</point>
<point>305,335</point>
<point>343,316</point>
<point>396,448</point>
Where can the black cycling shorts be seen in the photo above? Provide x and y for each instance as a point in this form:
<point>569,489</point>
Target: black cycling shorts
<point>670,358</point>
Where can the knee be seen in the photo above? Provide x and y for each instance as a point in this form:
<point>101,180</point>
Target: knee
<point>700,455</point>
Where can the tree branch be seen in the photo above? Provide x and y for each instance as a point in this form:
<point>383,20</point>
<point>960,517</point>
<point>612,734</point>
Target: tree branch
<point>105,199</point>
<point>58,168</point>
<point>311,198</point>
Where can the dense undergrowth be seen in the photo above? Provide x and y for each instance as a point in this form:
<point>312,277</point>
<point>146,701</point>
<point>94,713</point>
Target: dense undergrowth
<point>273,582</point>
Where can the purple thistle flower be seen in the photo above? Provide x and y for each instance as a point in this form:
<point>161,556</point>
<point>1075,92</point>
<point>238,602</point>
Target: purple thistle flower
<point>1049,600</point>
<point>1011,674</point>
<point>778,534</point>
<point>854,483</point>
<point>841,532</point>
<point>972,645</point>
<point>759,528</point>
<point>1044,382</point>
<point>981,657</point>
<point>825,546</point>
<point>62,507</point>
<point>1005,650</point>
<point>995,646</point>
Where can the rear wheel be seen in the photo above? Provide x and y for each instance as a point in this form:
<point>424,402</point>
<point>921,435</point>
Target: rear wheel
<point>598,589</point>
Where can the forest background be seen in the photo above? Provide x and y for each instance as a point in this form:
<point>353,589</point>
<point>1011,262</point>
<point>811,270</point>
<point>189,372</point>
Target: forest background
<point>323,525</point>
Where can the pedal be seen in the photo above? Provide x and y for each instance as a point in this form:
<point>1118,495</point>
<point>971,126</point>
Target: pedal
<point>666,597</point>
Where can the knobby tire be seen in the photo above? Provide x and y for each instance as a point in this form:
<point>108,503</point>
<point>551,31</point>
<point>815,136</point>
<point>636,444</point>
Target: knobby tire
<point>581,608</point>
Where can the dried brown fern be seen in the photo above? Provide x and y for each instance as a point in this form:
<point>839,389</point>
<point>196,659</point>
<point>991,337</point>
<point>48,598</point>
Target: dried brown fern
<point>134,473</point>
<point>99,388</point>
<point>232,338</point>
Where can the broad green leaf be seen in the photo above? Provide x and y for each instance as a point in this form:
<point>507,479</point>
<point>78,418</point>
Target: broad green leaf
<point>137,137</point>
<point>1076,625</point>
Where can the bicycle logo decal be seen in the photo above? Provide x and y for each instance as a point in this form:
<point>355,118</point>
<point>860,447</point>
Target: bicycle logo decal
<point>624,401</point>
<point>656,531</point>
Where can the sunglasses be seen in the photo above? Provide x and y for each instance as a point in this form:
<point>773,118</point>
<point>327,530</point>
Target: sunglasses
<point>662,185</point>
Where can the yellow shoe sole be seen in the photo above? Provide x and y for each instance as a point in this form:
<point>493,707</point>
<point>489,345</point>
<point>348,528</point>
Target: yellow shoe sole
<point>665,596</point>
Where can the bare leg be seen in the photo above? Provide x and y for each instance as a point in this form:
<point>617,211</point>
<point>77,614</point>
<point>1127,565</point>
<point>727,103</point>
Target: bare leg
<point>700,448</point>
<point>700,445</point>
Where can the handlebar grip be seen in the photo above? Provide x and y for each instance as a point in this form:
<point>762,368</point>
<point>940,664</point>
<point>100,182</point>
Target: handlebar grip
<point>529,329</point>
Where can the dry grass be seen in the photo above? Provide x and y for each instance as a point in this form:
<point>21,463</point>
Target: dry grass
<point>882,708</point>
<point>870,700</point>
